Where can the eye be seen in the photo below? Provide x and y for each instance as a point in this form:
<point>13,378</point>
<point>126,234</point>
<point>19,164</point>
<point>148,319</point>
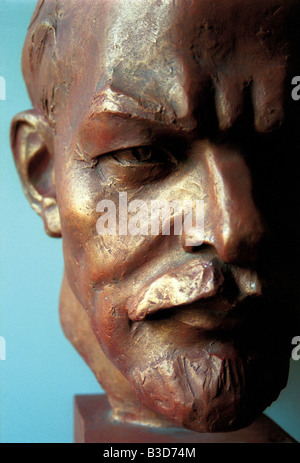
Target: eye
<point>139,165</point>
<point>144,155</point>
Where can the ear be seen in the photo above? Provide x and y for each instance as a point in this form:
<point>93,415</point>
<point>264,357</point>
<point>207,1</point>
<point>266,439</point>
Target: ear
<point>32,146</point>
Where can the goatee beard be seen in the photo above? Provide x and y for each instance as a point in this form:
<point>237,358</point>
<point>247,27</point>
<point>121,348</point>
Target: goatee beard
<point>211,390</point>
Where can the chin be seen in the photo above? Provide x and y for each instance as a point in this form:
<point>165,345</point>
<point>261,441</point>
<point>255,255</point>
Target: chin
<point>216,377</point>
<point>216,389</point>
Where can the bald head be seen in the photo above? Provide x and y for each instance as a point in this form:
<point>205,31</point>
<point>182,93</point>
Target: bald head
<point>163,52</point>
<point>108,38</point>
<point>39,56</point>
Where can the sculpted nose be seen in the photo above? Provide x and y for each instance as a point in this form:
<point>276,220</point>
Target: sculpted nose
<point>232,222</point>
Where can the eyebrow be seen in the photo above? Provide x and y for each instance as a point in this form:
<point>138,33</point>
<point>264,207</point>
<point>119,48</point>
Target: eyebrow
<point>116,103</point>
<point>143,119</point>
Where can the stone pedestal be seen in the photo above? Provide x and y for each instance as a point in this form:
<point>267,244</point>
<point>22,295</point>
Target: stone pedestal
<point>93,424</point>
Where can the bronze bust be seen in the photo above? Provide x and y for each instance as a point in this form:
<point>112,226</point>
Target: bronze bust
<point>161,100</point>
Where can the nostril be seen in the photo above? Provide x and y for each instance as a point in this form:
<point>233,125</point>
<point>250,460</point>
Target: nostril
<point>233,251</point>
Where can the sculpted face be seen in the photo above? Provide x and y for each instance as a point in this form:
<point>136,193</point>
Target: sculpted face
<point>160,101</point>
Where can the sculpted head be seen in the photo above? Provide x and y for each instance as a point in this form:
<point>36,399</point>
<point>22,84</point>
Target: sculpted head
<point>155,100</point>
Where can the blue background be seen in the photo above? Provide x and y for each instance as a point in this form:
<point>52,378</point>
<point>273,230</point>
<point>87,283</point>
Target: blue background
<point>42,371</point>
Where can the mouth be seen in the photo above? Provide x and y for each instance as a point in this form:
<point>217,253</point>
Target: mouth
<point>212,315</point>
<point>198,295</point>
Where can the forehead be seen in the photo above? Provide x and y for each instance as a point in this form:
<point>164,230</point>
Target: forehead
<point>160,54</point>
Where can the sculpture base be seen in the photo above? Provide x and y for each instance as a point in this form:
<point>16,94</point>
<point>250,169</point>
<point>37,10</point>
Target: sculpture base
<point>92,424</point>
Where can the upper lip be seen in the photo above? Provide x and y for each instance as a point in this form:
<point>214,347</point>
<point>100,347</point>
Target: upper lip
<point>196,280</point>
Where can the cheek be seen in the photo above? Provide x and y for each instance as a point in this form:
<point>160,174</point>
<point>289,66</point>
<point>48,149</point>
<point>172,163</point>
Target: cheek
<point>77,197</point>
<point>92,260</point>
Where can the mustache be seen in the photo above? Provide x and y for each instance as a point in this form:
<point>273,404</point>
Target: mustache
<point>199,279</point>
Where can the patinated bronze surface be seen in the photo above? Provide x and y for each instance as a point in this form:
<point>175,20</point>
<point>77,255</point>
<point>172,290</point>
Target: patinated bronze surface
<point>170,100</point>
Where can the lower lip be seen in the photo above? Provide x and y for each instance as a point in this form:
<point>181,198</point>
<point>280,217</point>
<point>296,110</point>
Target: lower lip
<point>207,315</point>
